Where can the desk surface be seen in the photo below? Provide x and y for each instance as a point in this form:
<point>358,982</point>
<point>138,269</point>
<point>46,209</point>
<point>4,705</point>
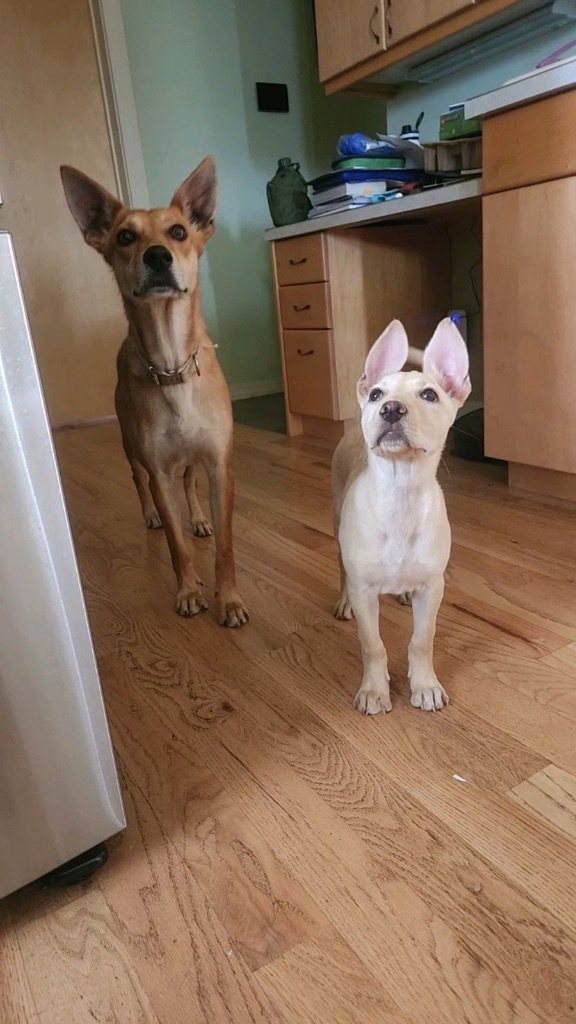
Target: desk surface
<point>546,82</point>
<point>432,201</point>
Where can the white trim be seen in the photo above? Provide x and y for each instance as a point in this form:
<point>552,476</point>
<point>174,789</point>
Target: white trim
<point>255,389</point>
<point>114,67</point>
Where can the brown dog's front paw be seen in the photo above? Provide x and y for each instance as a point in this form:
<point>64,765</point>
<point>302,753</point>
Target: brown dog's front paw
<point>232,613</point>
<point>372,702</point>
<point>152,520</point>
<point>190,602</point>
<point>201,528</point>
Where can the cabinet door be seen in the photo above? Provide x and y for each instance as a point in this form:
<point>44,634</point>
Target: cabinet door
<point>407,17</point>
<point>530,325</point>
<point>348,31</point>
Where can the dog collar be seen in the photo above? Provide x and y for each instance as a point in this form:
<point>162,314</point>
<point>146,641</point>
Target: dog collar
<point>164,378</point>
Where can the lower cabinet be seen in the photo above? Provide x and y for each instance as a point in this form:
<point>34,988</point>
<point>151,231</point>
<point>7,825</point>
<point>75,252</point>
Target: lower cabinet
<point>336,292</point>
<point>530,325</point>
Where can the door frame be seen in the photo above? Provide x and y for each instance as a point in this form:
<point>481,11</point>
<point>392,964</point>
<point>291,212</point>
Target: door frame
<point>119,103</point>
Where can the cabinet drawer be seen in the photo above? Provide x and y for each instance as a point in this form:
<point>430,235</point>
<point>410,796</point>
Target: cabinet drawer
<point>301,260</point>
<point>305,305</point>
<point>531,144</point>
<point>310,374</point>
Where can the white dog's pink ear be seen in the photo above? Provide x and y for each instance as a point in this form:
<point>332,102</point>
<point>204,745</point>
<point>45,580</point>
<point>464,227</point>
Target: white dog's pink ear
<point>446,358</point>
<point>387,355</point>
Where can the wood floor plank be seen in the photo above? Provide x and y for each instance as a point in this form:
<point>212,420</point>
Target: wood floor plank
<point>325,983</point>
<point>17,1005</point>
<point>551,680</point>
<point>551,795</point>
<point>513,590</point>
<point>176,944</point>
<point>79,969</point>
<point>561,665</point>
<point>262,910</point>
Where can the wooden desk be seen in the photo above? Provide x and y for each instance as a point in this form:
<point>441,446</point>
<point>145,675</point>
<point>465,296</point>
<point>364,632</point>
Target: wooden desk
<point>341,278</point>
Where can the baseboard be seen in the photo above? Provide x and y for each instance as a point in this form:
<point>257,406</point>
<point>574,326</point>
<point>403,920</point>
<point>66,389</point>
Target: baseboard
<point>255,389</point>
<point>76,424</point>
<point>251,389</point>
<point>547,482</point>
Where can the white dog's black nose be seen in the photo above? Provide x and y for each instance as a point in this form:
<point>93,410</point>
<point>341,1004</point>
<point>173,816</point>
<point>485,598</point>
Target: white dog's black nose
<point>158,257</point>
<point>393,411</point>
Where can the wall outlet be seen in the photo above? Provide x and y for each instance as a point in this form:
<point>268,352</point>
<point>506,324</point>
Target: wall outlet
<point>459,317</point>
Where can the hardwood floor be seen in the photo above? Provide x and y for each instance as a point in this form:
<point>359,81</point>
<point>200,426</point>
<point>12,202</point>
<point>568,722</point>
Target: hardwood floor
<point>287,860</point>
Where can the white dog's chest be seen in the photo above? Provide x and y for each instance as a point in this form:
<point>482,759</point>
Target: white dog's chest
<point>398,562</point>
<point>390,549</point>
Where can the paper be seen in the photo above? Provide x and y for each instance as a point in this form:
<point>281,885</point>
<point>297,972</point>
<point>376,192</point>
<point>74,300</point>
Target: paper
<point>411,151</point>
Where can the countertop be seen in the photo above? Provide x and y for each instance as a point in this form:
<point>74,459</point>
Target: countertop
<point>546,82</point>
<point>430,201</point>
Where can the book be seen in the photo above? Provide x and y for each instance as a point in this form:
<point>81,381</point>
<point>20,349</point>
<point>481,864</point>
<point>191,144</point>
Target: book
<point>350,190</point>
<point>367,163</point>
<point>339,206</point>
<point>339,177</point>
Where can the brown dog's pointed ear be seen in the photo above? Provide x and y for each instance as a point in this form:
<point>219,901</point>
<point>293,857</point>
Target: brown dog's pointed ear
<point>93,208</point>
<point>196,196</point>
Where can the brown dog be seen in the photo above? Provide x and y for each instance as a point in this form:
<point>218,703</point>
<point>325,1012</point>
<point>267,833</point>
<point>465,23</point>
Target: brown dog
<point>172,400</point>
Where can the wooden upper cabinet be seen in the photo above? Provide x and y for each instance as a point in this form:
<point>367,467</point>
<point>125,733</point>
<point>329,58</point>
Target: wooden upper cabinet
<point>348,32</point>
<point>408,17</point>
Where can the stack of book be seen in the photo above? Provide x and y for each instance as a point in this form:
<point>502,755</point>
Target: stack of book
<point>356,181</point>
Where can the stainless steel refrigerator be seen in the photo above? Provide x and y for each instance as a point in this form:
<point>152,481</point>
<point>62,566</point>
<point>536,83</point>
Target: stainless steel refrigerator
<point>59,792</point>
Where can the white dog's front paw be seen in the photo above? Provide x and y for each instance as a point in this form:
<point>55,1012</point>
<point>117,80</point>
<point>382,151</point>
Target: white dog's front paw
<point>343,607</point>
<point>429,698</point>
<point>372,701</point>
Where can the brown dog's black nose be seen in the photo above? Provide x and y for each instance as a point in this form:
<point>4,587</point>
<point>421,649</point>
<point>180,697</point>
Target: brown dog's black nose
<point>158,257</point>
<point>393,411</point>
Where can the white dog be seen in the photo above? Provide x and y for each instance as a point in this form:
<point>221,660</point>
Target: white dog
<point>389,511</point>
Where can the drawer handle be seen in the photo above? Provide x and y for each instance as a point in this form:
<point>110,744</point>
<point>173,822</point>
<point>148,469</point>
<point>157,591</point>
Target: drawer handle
<point>300,309</point>
<point>371,26</point>
<point>308,352</point>
<point>296,263</point>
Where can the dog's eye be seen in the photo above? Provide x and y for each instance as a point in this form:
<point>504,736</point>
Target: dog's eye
<point>178,232</point>
<point>126,237</point>
<point>429,395</point>
<point>375,395</point>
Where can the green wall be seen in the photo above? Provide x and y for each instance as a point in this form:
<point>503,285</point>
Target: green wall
<point>194,65</point>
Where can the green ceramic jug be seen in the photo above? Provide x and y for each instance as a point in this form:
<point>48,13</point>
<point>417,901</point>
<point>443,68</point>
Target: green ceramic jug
<point>287,194</point>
